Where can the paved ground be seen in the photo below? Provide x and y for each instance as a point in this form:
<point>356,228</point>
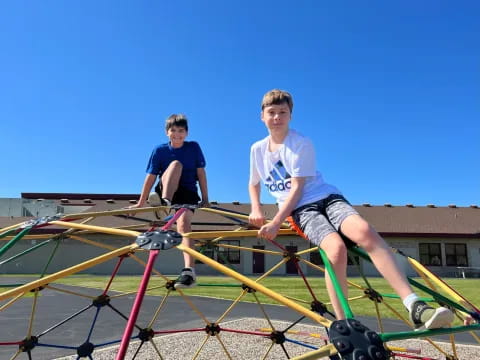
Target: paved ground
<point>54,307</point>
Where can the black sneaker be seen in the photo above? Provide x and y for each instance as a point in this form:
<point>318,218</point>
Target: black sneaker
<point>424,316</point>
<point>187,279</point>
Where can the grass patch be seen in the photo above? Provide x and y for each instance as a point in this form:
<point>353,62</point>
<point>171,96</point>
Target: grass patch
<point>292,287</point>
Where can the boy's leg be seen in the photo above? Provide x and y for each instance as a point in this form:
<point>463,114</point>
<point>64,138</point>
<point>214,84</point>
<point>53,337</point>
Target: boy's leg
<point>320,232</point>
<point>170,179</point>
<point>360,232</point>
<point>336,252</point>
<point>421,314</point>
<point>164,192</point>
<point>187,278</point>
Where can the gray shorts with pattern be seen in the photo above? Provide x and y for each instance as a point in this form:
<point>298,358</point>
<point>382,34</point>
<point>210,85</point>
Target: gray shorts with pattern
<point>322,217</point>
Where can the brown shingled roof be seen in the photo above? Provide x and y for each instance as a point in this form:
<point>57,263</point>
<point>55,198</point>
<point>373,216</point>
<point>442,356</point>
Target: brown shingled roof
<point>391,219</point>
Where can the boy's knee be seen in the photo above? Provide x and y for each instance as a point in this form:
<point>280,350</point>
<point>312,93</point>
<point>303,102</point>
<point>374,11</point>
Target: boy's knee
<point>175,164</point>
<point>336,252</point>
<point>366,237</point>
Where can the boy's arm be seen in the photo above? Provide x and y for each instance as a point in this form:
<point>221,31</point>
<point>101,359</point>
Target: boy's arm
<point>147,186</point>
<point>256,216</point>
<point>202,181</point>
<point>269,231</point>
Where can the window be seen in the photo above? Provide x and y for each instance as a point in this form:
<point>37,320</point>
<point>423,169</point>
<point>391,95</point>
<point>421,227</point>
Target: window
<point>228,255</point>
<point>315,257</point>
<point>456,254</point>
<point>221,254</point>
<point>430,254</point>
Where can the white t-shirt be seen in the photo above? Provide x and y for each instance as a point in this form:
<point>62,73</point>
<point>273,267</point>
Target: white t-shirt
<point>294,158</point>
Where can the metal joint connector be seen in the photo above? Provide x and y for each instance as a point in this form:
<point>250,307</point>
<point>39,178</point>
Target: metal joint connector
<point>159,240</point>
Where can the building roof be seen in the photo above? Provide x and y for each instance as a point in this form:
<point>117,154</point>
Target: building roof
<point>408,220</point>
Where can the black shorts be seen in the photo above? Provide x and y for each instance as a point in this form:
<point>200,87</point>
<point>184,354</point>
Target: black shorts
<point>181,196</point>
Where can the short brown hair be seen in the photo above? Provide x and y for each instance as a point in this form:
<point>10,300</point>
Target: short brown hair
<point>179,120</point>
<point>277,97</point>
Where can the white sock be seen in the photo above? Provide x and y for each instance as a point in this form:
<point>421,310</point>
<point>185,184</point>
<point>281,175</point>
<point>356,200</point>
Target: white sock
<point>410,300</point>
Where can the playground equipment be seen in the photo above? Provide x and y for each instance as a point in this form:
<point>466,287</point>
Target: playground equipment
<point>345,339</point>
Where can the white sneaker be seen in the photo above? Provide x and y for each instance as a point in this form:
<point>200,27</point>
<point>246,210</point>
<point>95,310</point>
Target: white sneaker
<point>154,199</point>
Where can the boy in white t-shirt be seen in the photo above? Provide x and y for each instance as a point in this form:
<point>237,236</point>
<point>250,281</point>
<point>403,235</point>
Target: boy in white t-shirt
<point>285,162</point>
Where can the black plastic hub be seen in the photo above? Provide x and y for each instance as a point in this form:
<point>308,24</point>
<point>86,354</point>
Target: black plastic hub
<point>28,344</point>
<point>291,255</point>
<point>40,288</point>
<point>146,334</point>
<point>85,350</point>
<point>101,300</point>
<point>355,341</point>
<point>170,285</point>
<point>248,288</point>
<point>318,307</point>
<point>159,240</point>
<point>212,329</point>
<point>373,295</point>
<point>277,337</point>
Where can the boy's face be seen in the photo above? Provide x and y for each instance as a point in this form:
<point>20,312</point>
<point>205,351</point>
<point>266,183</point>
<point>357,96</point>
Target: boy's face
<point>276,117</point>
<point>177,135</point>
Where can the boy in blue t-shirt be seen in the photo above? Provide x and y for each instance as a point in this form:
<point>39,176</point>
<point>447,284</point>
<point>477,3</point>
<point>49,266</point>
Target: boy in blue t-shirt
<point>285,162</point>
<point>180,165</point>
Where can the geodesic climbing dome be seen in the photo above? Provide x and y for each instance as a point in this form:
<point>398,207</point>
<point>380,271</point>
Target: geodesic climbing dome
<point>50,307</point>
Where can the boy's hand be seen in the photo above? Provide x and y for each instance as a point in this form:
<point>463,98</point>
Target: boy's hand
<point>256,218</point>
<point>135,206</point>
<point>269,231</point>
<point>204,203</point>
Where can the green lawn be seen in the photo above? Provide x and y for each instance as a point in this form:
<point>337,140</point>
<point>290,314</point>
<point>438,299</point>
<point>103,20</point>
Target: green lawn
<point>293,287</point>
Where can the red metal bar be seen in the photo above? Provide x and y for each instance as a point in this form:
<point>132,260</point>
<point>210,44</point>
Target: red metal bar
<point>136,305</point>
<point>114,272</point>
<point>141,293</point>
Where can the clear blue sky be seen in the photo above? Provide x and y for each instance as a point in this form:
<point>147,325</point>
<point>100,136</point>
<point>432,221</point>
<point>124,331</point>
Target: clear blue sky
<point>388,91</point>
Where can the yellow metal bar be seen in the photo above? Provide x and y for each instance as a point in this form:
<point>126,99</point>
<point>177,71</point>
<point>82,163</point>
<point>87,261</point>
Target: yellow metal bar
<point>11,227</point>
<point>270,252</point>
<point>99,229</point>
<point>10,302</point>
<point>230,233</point>
<point>264,290</point>
<point>235,215</point>
<point>323,270</point>
<point>327,350</point>
<point>419,267</point>
<point>306,251</point>
<point>71,270</point>
<point>124,211</point>
<point>30,237</point>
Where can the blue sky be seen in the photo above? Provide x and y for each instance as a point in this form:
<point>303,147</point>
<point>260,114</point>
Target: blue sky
<point>388,92</point>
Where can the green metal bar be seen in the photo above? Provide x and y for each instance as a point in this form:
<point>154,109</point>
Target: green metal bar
<point>6,233</point>
<point>403,335</point>
<point>50,258</point>
<point>11,285</point>
<point>437,296</point>
<point>434,294</point>
<point>12,242</point>
<point>360,252</point>
<point>338,289</point>
<point>25,252</point>
<point>225,260</point>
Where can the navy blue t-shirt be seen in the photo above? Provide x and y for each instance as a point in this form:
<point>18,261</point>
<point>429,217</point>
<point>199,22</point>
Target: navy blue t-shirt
<point>190,155</point>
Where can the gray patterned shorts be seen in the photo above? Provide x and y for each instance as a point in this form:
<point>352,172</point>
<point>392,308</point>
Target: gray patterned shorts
<point>322,217</point>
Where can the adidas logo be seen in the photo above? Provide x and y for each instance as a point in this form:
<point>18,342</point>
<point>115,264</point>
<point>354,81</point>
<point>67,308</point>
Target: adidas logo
<point>279,179</point>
